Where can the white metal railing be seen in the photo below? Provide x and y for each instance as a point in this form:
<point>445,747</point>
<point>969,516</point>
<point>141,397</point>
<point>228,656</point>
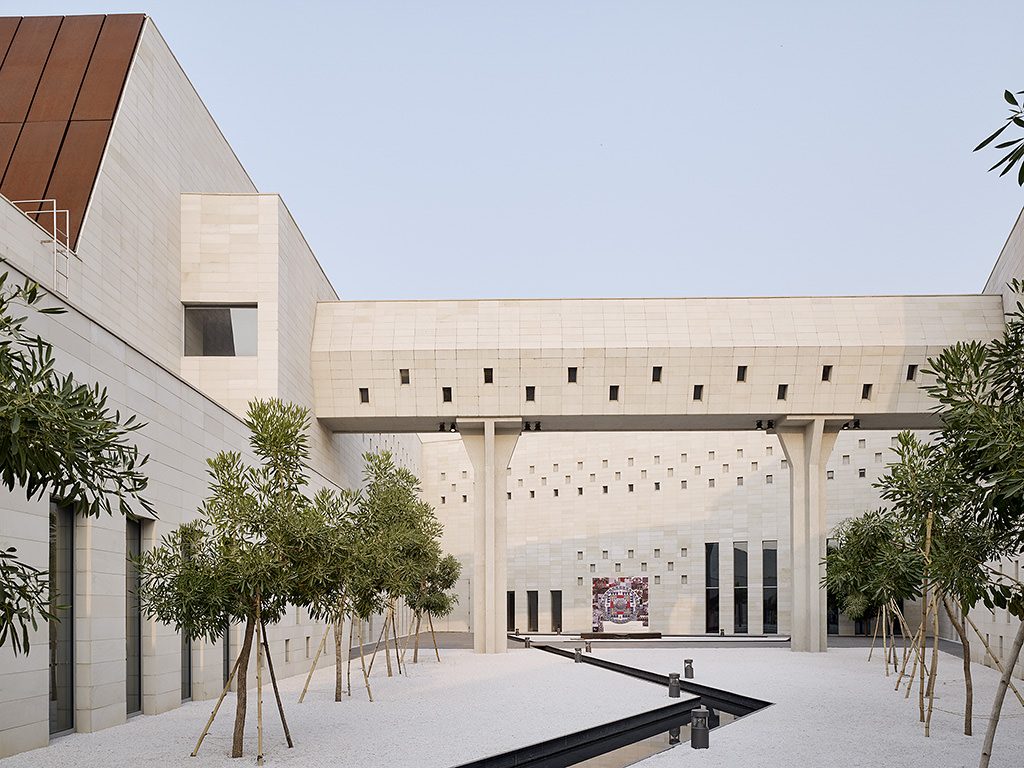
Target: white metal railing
<point>60,237</point>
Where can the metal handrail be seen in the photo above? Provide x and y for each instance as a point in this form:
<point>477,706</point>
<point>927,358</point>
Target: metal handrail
<point>60,238</point>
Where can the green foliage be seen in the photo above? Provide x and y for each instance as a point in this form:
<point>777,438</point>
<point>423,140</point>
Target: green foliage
<point>872,563</point>
<point>57,438</point>
<point>24,600</point>
<point>1014,148</point>
<point>435,595</point>
<point>258,543</point>
<point>980,389</point>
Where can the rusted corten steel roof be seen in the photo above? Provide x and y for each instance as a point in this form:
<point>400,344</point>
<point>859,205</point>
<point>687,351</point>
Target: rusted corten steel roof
<point>61,79</point>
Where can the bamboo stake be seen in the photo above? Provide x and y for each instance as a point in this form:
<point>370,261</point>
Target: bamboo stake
<point>874,636</point>
<point>220,700</point>
<point>885,643</point>
<point>996,659</point>
<point>373,657</point>
<point>316,658</point>
<point>416,643</point>
<point>362,660</point>
<point>913,645</point>
<point>259,694</point>
<point>430,619</point>
<point>273,682</point>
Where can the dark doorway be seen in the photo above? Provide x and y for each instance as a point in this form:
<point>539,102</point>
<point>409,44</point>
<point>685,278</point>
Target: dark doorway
<point>532,612</point>
<point>133,618</point>
<point>556,610</point>
<point>510,610</point>
<point>62,627</point>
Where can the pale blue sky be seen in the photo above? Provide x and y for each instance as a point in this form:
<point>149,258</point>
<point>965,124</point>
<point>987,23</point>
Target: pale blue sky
<point>443,149</point>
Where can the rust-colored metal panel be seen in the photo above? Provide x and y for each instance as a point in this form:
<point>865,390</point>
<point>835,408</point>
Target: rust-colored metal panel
<point>8,138</point>
<point>32,162</point>
<point>65,69</point>
<point>75,173</point>
<point>108,67</point>
<point>8,26</point>
<point>23,65</point>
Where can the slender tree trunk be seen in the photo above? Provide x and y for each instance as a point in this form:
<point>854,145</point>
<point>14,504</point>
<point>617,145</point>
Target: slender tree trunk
<point>394,633</point>
<point>925,595</point>
<point>362,660</point>
<point>259,696</point>
<point>433,636</point>
<point>416,642</point>
<point>339,664</point>
<point>965,644</point>
<point>240,699</point>
<point>348,661</point>
<point>273,682</point>
<point>995,659</point>
<point>997,705</point>
<point>935,665</point>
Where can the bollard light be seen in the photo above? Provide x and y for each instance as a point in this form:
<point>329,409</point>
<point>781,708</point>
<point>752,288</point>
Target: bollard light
<point>673,735</point>
<point>589,649</point>
<point>517,630</point>
<point>721,633</point>
<point>699,728</point>
<point>577,655</point>
<point>673,685</point>
<point>688,669</point>
<point>526,643</point>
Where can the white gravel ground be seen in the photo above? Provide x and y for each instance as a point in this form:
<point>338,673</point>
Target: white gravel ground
<point>835,709</point>
<point>830,709</point>
<point>464,708</point>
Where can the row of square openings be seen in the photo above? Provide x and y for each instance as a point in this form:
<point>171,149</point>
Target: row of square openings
<point>683,485</point>
<point>618,569</point>
<point>782,393</point>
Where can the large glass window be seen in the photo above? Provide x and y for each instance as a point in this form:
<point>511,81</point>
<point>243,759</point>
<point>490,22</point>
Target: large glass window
<point>739,570</point>
<point>62,635</point>
<point>221,331</point>
<point>770,580</point>
<point>133,618</point>
<point>711,587</point>
<point>186,667</point>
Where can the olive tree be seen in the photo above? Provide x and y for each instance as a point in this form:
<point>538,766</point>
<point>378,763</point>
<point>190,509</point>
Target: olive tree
<point>58,437</point>
<point>255,547</point>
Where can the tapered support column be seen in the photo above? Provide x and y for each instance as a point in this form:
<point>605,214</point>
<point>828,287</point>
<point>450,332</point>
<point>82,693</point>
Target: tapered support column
<point>489,443</point>
<point>807,442</point>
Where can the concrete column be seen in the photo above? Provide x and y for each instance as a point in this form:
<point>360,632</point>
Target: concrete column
<point>807,442</point>
<point>489,444</point>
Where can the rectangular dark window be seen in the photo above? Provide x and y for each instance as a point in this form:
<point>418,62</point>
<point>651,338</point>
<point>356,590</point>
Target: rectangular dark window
<point>403,375</point>
<point>656,374</point>
<point>865,392</point>
<point>446,394</point>
<point>783,391</point>
<point>770,582</point>
<point>221,331</point>
<point>826,373</point>
<point>741,373</point>
<point>613,392</point>
<point>62,628</point>
<point>510,610</point>
<point>556,610</point>
<point>698,391</point>
<point>364,395</point>
<point>186,667</point>
<point>531,394</point>
<point>711,587</point>
<point>488,375</point>
<point>911,373</point>
<point>532,611</point>
<point>227,661</point>
<point>572,375</point>
<point>739,595</point>
<point>133,618</point>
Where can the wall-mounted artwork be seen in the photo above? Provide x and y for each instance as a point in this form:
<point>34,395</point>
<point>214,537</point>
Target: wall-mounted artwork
<point>620,604</point>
